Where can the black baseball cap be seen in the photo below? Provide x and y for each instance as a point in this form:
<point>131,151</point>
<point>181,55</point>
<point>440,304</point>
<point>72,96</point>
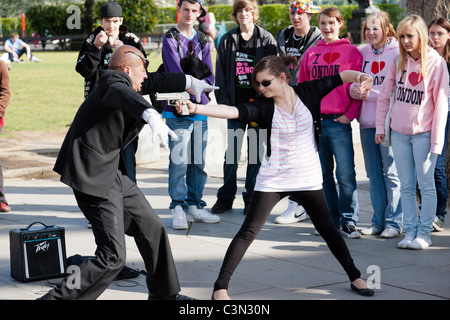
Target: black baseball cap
<point>111,9</point>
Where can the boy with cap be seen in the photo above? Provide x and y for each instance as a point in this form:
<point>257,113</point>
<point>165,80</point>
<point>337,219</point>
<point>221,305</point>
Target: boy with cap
<point>94,55</point>
<point>187,176</point>
<point>294,40</point>
<point>99,45</point>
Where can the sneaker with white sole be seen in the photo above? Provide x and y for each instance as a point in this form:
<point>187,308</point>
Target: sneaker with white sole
<point>202,215</point>
<point>370,230</point>
<point>419,243</point>
<point>438,224</point>
<point>294,213</point>
<point>350,231</point>
<point>405,242</point>
<point>389,233</point>
<point>179,221</point>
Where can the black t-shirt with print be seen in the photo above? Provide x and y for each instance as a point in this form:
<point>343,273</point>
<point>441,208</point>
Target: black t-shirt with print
<point>245,63</point>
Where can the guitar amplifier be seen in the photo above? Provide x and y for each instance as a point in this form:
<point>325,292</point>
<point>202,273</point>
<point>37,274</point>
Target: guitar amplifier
<point>37,253</point>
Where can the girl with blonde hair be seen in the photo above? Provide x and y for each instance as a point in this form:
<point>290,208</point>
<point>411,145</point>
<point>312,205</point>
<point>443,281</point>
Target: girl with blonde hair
<point>380,52</point>
<point>417,120</point>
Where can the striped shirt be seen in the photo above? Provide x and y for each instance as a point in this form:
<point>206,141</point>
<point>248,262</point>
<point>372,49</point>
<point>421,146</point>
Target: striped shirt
<point>294,164</point>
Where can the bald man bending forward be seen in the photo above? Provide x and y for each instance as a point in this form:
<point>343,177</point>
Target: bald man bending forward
<point>89,162</point>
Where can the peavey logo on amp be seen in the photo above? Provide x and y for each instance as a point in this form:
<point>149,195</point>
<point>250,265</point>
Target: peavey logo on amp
<point>43,246</point>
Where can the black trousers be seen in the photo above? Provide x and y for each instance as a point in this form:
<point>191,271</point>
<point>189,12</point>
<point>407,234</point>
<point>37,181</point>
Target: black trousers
<point>260,207</point>
<point>124,210</point>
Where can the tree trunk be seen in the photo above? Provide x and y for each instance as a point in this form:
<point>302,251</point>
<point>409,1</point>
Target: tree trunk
<point>428,9</point>
<point>89,16</point>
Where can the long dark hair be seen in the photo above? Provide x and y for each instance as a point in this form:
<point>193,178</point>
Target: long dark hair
<point>274,65</point>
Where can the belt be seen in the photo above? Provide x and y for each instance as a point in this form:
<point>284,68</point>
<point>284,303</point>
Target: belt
<point>325,116</point>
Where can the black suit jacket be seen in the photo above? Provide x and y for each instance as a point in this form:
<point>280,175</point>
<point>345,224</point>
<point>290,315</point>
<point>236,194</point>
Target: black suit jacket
<point>105,123</point>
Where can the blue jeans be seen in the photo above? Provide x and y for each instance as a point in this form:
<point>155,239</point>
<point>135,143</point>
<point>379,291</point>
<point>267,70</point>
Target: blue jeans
<point>187,176</point>
<point>336,141</point>
<point>384,183</point>
<point>413,158</point>
<point>19,52</point>
<point>235,134</point>
<point>440,178</point>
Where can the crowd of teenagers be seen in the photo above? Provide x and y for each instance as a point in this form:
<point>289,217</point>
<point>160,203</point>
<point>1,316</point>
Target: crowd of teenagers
<point>304,89</point>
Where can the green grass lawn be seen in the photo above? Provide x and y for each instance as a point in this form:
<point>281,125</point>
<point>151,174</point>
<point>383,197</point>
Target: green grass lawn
<point>45,96</point>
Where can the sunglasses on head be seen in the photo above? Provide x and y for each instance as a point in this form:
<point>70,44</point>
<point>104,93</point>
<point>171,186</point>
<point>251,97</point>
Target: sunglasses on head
<point>146,62</point>
<point>265,83</point>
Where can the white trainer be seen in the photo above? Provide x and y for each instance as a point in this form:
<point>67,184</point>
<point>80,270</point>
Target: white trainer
<point>202,215</point>
<point>294,213</point>
<point>405,242</point>
<point>389,233</point>
<point>370,230</point>
<point>419,243</point>
<point>179,221</point>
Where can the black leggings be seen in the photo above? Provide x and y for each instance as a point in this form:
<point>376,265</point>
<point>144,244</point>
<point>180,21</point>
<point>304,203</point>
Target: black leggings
<point>260,207</point>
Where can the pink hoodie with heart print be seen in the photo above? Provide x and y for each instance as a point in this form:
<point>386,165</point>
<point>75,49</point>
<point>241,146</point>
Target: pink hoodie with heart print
<point>377,66</point>
<point>325,59</point>
<point>421,104</point>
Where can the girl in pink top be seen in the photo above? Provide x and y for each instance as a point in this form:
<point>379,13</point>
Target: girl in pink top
<point>418,117</point>
<point>381,51</point>
<point>439,31</point>
<point>331,56</point>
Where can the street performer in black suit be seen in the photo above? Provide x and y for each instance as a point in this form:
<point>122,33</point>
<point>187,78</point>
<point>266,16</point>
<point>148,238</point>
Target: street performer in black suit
<point>90,163</point>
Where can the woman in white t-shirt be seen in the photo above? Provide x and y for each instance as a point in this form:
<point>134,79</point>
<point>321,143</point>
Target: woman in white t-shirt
<point>291,116</point>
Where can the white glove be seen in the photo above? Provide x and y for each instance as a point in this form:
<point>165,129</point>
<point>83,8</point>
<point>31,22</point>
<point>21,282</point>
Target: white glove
<point>196,87</point>
<point>158,127</point>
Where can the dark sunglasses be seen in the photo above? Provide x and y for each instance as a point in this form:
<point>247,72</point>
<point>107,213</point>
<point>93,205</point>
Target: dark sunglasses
<point>265,83</point>
<point>146,62</point>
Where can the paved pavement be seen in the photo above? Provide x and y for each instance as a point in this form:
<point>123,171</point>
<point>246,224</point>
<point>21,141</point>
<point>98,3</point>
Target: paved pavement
<point>286,262</point>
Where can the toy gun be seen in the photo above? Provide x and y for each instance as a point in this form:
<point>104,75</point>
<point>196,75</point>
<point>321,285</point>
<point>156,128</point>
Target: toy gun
<point>172,99</point>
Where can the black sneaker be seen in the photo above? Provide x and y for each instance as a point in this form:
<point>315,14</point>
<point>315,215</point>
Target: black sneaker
<point>350,231</point>
<point>222,205</point>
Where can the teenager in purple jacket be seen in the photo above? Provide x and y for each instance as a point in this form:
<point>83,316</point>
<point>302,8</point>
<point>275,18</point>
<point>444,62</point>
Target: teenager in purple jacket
<point>187,176</point>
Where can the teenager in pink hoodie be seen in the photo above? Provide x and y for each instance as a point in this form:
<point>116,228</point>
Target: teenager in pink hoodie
<point>439,31</point>
<point>418,117</point>
<point>331,56</point>
<point>381,51</point>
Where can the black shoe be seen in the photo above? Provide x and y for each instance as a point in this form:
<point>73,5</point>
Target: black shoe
<point>364,292</point>
<point>127,273</point>
<point>174,297</point>
<point>222,205</point>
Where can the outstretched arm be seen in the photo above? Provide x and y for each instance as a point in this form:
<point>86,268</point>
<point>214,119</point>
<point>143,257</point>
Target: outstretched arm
<point>211,110</point>
<point>365,80</point>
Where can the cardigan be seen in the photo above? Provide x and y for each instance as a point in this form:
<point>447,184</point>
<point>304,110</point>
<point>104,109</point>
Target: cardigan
<point>310,93</point>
